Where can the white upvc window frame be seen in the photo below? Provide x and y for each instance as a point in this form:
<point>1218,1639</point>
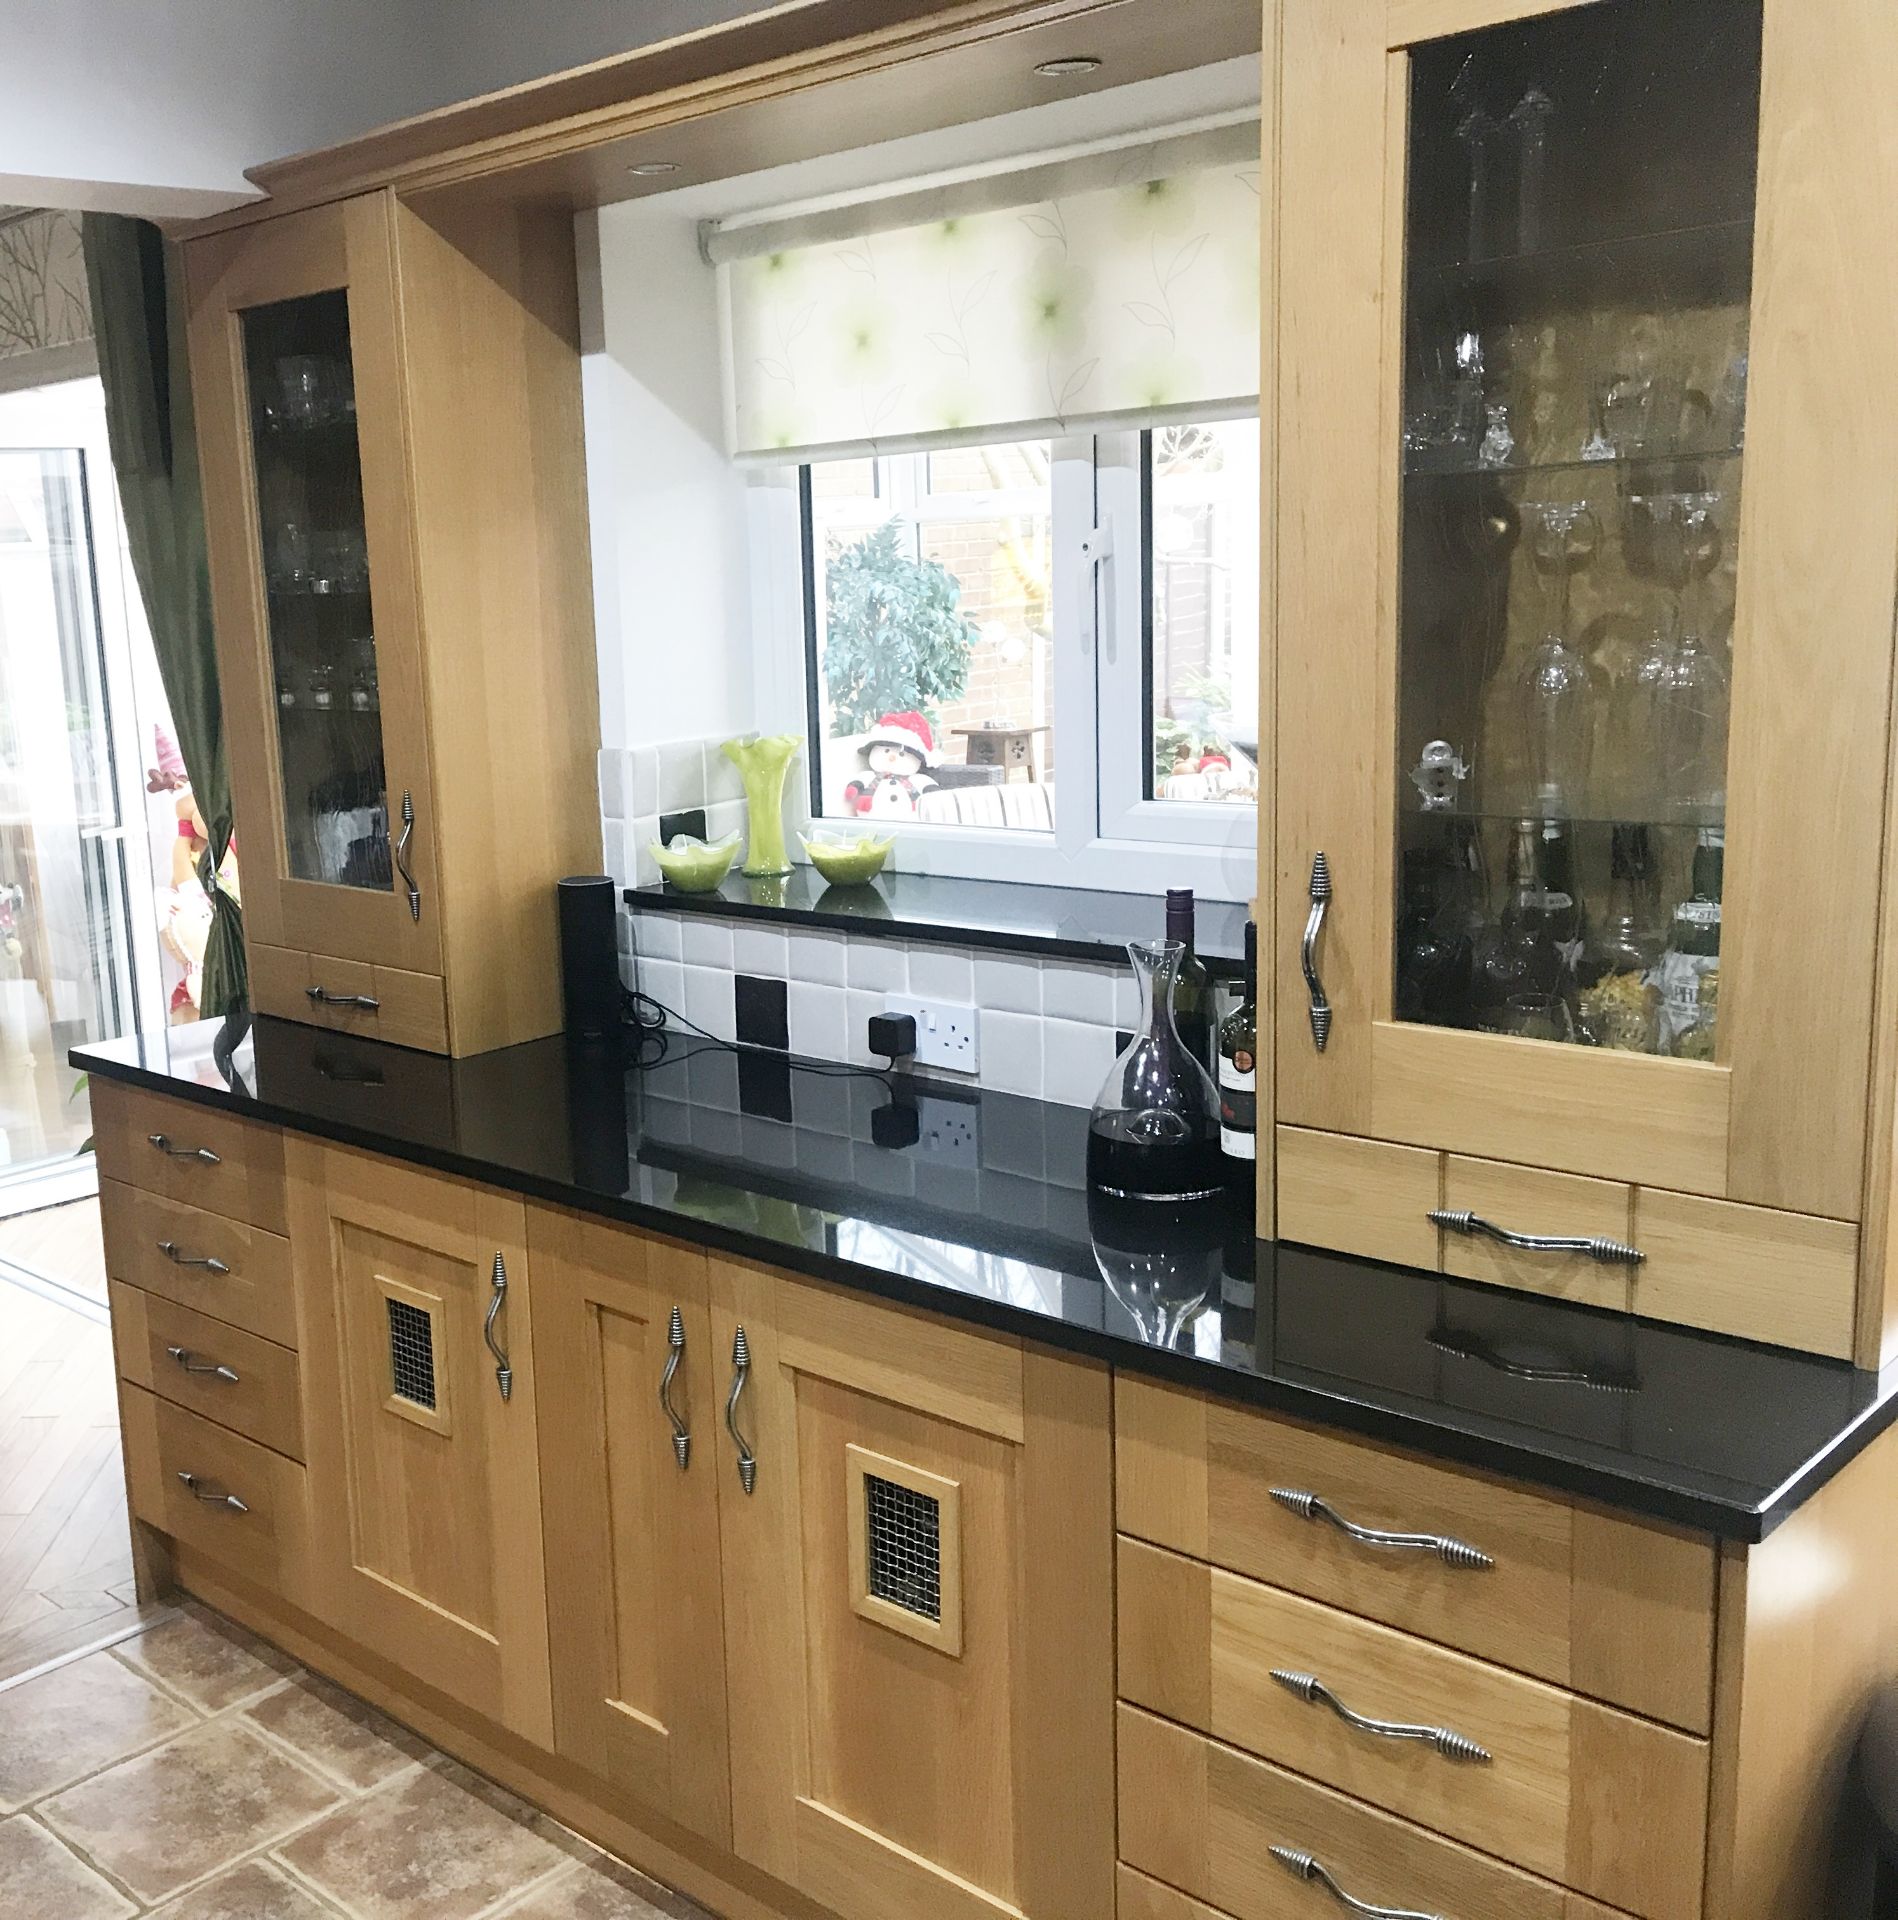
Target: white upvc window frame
<point>1108,834</point>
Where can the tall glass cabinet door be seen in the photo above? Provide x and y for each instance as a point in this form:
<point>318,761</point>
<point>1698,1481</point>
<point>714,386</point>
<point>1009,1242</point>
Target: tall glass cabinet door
<point>310,545</point>
<point>1589,778</point>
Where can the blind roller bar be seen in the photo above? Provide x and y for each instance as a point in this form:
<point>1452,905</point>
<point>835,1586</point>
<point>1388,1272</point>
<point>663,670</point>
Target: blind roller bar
<point>1127,164</point>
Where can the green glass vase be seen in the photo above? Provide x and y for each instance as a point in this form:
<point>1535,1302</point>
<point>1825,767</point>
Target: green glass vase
<point>763,761</point>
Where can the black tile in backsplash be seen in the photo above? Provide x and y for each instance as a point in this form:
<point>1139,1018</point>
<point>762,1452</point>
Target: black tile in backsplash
<point>687,820</point>
<point>762,1019</point>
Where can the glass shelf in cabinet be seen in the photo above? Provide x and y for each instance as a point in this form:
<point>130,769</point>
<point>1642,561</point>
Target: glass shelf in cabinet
<point>1688,819</point>
<point>1677,247</point>
<point>1459,467</point>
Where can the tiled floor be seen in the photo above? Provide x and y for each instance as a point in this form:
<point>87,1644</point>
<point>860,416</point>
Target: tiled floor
<point>193,1773</point>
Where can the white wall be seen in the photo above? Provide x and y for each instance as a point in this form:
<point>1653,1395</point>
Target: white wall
<point>158,106</point>
<point>672,581</point>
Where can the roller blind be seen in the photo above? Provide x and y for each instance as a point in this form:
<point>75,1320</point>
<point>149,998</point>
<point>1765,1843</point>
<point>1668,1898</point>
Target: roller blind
<point>1118,289</point>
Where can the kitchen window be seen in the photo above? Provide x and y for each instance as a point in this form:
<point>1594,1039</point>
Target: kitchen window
<point>1039,658</point>
<point>1006,539</point>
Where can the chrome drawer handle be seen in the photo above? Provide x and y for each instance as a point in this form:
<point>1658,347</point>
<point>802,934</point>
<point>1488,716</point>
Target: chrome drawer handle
<point>322,997</point>
<point>211,1496</point>
<point>1308,951</point>
<point>1307,1868</point>
<point>675,1341</point>
<point>497,1293</point>
<point>162,1141</point>
<point>1453,1553</point>
<point>189,1362</point>
<point>209,1262</point>
<point>741,1372</point>
<point>402,860</point>
<point>1611,1253</point>
<point>1315,1693</point>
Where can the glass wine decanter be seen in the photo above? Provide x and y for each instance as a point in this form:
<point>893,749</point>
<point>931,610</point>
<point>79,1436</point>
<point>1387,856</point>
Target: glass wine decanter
<point>1557,689</point>
<point>1154,1130</point>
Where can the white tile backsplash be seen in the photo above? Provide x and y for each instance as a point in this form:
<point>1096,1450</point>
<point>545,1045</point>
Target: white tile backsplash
<point>1047,1026</point>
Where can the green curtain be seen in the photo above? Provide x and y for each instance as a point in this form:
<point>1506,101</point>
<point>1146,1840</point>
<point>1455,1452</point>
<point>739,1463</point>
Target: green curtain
<point>137,287</point>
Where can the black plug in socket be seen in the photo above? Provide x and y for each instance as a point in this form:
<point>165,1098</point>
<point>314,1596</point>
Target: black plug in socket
<point>893,1035</point>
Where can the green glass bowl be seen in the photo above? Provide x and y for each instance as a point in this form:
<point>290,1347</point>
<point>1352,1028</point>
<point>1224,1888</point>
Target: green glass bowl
<point>695,866</point>
<point>846,862</point>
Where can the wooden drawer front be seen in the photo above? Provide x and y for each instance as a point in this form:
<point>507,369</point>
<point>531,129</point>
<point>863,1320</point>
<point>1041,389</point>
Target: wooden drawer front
<point>1604,1605</point>
<point>1530,1200</point>
<point>1206,1818</point>
<point>234,1378</point>
<point>1579,1793</point>
<point>1138,1897</point>
<point>1786,1278</point>
<point>254,1290</point>
<point>408,1010</point>
<point>191,1153</point>
<point>1358,1196</point>
<point>265,1541</point>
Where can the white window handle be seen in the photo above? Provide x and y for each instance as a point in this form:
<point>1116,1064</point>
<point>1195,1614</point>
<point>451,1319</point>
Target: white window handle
<point>1097,548</point>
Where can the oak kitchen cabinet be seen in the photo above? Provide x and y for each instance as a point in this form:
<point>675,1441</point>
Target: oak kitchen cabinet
<point>1602,387</point>
<point>389,421</point>
<point>764,1566</point>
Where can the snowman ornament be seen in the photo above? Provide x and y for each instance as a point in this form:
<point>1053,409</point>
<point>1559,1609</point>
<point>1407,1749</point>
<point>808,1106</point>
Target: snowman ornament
<point>895,753</point>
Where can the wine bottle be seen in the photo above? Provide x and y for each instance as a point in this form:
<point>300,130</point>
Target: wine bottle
<point>1193,988</point>
<point>1689,973</point>
<point>1238,1074</point>
<point>1618,996</point>
<point>1521,968</point>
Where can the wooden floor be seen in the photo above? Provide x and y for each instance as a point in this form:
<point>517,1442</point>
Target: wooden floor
<point>65,1555</point>
<point>61,1244</point>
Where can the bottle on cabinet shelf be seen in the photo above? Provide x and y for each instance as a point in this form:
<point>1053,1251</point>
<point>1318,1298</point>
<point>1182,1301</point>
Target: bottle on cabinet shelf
<point>1688,975</point>
<point>1523,974</point>
<point>1617,1002</point>
<point>1238,1075</point>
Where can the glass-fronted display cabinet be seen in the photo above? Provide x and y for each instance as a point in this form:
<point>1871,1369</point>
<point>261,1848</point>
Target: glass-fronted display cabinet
<point>1582,794</point>
<point>295,351</point>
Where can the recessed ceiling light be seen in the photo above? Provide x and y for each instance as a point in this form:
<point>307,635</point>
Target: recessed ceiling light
<point>648,169</point>
<point>1068,68</point>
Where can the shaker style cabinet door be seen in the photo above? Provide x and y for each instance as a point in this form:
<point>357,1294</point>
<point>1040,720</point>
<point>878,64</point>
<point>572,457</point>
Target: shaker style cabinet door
<point>1582,777</point>
<point>917,1534</point>
<point>419,1381</point>
<point>630,1477</point>
<point>296,371</point>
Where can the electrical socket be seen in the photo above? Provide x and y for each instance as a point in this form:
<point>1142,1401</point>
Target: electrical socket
<point>946,1036</point>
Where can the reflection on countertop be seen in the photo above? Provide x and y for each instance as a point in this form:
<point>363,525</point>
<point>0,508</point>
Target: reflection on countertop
<point>857,1177</point>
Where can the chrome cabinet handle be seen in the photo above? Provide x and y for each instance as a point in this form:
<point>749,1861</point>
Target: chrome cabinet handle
<point>169,1248</point>
<point>401,857</point>
<point>1453,1553</point>
<point>1315,1693</point>
<point>1306,1868</point>
<point>503,1372</point>
<point>675,1341</point>
<point>190,1363</point>
<point>741,1372</point>
<point>322,997</point>
<point>211,1496</point>
<point>1609,1252</point>
<point>1308,951</point>
<point>162,1141</point>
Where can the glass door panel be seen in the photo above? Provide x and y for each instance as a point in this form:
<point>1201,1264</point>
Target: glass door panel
<point>314,542</point>
<point>66,970</point>
<point>1579,236</point>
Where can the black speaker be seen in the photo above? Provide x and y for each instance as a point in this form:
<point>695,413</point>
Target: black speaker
<point>589,957</point>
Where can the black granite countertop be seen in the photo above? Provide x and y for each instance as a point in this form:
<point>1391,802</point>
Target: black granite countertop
<point>975,1206</point>
<point>1071,923</point>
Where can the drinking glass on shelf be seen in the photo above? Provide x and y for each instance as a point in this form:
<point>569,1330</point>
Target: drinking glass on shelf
<point>289,564</point>
<point>363,693</point>
<point>1695,690</point>
<point>1557,691</point>
<point>339,562</point>
<point>322,684</point>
